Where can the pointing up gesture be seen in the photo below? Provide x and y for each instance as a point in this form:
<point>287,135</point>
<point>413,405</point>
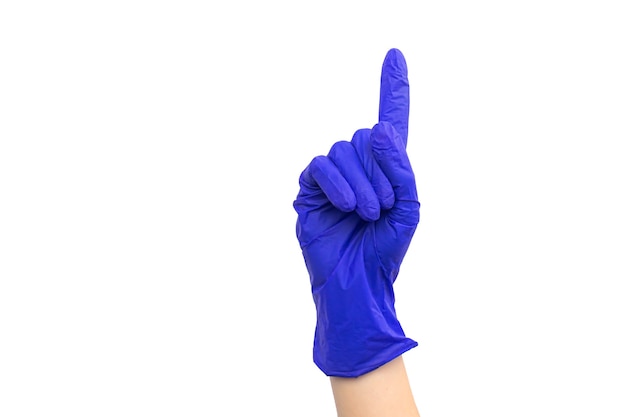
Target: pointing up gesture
<point>357,212</point>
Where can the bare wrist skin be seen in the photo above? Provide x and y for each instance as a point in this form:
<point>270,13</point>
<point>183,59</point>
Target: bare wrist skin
<point>383,392</point>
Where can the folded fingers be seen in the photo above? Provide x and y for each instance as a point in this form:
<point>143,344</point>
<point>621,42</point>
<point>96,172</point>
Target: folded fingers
<point>381,185</point>
<point>347,161</point>
<point>346,183</point>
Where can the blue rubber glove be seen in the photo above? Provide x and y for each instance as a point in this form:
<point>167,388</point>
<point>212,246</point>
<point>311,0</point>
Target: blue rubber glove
<point>357,213</point>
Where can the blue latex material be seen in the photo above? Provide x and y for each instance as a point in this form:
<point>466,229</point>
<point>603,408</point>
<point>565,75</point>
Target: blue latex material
<point>357,212</point>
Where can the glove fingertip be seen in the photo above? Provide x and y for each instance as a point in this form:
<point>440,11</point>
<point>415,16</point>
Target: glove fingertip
<point>371,212</point>
<point>387,202</point>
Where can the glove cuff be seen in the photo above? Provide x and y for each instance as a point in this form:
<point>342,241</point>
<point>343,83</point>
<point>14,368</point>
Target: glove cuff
<point>353,347</point>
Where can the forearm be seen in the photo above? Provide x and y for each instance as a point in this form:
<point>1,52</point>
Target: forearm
<point>383,392</point>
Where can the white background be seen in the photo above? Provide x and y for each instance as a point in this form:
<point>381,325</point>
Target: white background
<point>149,157</point>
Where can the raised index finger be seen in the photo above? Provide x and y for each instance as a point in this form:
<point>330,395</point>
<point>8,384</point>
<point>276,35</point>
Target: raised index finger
<point>394,93</point>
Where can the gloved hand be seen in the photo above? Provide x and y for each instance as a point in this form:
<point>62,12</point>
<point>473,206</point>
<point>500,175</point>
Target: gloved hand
<point>357,212</point>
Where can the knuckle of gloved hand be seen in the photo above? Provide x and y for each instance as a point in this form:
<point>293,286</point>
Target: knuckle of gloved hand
<point>386,142</point>
<point>382,146</point>
<point>316,166</point>
<point>360,139</point>
<point>340,151</point>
